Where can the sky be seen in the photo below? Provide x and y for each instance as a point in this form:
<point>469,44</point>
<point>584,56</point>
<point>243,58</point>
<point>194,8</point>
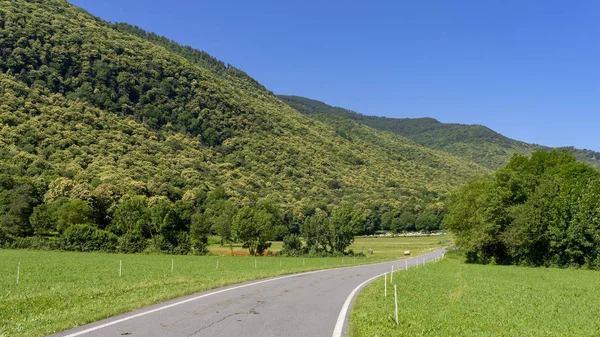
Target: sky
<point>527,69</point>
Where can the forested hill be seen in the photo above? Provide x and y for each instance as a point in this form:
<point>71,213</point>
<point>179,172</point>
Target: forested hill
<point>473,142</point>
<point>108,125</point>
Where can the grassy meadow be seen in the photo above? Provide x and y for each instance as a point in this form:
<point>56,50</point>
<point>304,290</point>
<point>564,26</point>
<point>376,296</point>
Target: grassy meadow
<point>60,290</point>
<point>451,298</point>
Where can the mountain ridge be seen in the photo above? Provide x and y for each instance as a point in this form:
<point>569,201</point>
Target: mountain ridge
<point>474,142</point>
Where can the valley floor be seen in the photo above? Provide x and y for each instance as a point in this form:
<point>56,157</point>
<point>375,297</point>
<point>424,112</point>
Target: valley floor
<point>61,290</point>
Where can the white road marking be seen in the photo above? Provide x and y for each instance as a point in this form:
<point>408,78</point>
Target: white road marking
<point>337,331</point>
<point>339,325</point>
<point>98,327</point>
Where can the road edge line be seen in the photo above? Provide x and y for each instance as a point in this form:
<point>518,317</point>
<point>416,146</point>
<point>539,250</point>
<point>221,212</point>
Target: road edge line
<point>339,325</point>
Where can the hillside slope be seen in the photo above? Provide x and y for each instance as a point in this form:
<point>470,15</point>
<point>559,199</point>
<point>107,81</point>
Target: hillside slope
<point>111,115</point>
<point>473,142</point>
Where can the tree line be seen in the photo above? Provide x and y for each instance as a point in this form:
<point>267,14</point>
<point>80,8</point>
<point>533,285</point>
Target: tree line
<point>538,211</point>
<point>67,216</point>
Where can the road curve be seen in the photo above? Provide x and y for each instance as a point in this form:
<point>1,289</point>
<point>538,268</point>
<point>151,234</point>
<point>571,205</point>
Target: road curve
<point>306,304</point>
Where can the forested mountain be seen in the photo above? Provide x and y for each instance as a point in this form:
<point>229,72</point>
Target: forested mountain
<point>473,142</point>
<point>106,130</point>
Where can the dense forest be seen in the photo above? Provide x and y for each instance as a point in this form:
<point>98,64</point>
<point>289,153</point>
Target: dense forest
<point>476,143</point>
<point>113,138</point>
<point>538,211</point>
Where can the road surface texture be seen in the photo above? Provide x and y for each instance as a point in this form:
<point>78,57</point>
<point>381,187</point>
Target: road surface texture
<point>307,304</point>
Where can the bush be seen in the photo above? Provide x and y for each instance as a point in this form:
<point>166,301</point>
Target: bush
<point>87,238</point>
<point>292,245</point>
<point>199,246</point>
<point>132,243</point>
<point>159,244</point>
<point>34,242</point>
<point>180,244</point>
<point>183,244</point>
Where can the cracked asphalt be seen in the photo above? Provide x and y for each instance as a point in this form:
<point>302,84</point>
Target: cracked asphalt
<point>306,304</point>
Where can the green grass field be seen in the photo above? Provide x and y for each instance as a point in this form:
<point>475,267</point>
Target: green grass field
<point>60,290</point>
<point>451,298</point>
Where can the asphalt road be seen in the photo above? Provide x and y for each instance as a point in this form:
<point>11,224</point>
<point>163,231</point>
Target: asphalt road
<point>307,304</point>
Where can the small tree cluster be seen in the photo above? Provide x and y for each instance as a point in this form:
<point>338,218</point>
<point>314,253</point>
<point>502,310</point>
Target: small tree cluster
<point>328,233</point>
<point>540,211</point>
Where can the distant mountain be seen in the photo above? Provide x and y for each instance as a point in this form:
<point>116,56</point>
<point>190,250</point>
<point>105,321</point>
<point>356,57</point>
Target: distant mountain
<point>109,125</point>
<point>473,142</point>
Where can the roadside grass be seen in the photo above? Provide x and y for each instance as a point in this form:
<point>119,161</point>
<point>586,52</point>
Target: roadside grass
<point>61,290</point>
<point>451,298</point>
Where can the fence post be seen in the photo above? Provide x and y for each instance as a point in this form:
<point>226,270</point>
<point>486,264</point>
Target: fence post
<point>18,272</point>
<point>396,301</point>
<point>385,285</point>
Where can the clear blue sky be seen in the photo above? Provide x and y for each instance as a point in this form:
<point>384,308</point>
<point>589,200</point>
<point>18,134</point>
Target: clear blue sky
<point>527,69</point>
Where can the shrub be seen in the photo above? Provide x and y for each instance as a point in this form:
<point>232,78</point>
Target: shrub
<point>132,243</point>
<point>199,246</point>
<point>87,238</point>
<point>183,244</point>
<point>292,245</point>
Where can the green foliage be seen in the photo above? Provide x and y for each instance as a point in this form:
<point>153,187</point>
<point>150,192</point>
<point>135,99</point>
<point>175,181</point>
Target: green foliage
<point>344,224</point>
<point>315,231</point>
<point>131,216</point>
<point>253,227</point>
<point>292,245</point>
<point>335,232</point>
<point>199,232</point>
<point>540,211</point>
<point>132,243</point>
<point>219,215</point>
<point>476,143</point>
<point>43,219</point>
<point>109,125</point>
<point>87,238</point>
<point>72,212</point>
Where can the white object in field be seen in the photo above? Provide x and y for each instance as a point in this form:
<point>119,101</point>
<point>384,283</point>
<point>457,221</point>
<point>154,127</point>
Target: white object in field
<point>385,285</point>
<point>396,300</point>
<point>120,267</point>
<point>407,252</point>
<point>18,272</point>
<point>172,265</point>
